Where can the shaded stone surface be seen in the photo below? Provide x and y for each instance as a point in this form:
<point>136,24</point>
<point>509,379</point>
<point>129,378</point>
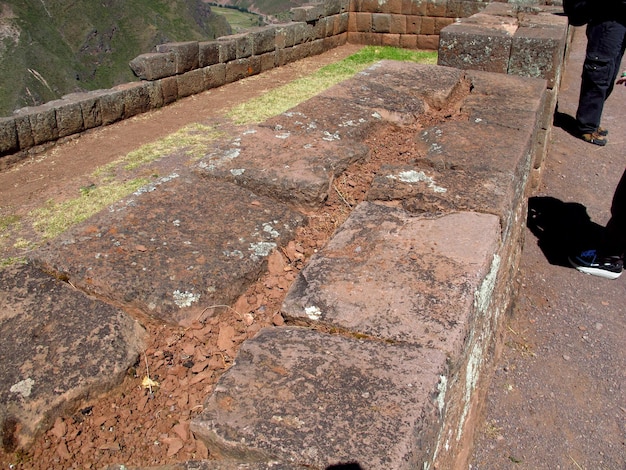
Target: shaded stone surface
<point>175,248</point>
<point>297,170</point>
<point>317,399</point>
<point>397,277</point>
<point>58,347</point>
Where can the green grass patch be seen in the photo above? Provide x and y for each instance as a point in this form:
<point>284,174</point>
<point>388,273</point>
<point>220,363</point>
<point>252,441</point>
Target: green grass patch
<point>191,139</point>
<point>8,222</point>
<point>286,97</point>
<point>54,218</point>
<point>12,261</point>
<point>238,20</point>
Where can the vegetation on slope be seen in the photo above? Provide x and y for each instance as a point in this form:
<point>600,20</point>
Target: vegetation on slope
<point>49,48</point>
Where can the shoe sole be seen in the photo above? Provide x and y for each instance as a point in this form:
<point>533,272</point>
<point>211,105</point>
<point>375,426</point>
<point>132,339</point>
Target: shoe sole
<point>603,273</point>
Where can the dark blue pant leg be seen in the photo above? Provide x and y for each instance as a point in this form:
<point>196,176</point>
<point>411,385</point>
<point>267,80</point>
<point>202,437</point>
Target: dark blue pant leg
<point>606,41</point>
<point>615,234</point>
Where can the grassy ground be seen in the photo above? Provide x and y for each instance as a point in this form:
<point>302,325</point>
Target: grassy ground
<point>118,179</point>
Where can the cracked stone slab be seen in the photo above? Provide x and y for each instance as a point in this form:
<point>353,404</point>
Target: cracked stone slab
<point>399,277</point>
<point>386,92</point>
<point>59,346</point>
<point>297,170</point>
<point>175,248</point>
<point>310,398</point>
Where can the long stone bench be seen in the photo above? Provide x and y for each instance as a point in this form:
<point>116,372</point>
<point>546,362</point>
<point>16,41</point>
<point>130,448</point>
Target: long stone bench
<point>391,326</point>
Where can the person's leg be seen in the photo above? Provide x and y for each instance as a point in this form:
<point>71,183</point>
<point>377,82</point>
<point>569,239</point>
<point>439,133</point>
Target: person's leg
<point>615,232</point>
<point>607,260</point>
<point>605,43</point>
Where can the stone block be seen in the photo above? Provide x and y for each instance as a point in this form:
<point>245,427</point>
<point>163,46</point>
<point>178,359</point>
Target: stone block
<point>36,125</point>
<point>242,43</point>
<point>242,68</point>
<point>154,65</point>
<point>418,7</point>
<point>134,98</point>
<point>263,161</point>
<point>286,34</point>
<point>336,7</point>
<point>340,24</point>
<point>538,52</point>
<point>228,49</point>
<point>209,53</point>
<point>69,117</point>
<point>408,41</point>
<point>320,400</point>
<point>427,25</point>
<point>364,22</point>
<point>263,40</point>
<point>391,40</point>
<point>381,23</point>
<point>383,249</point>
<point>8,136</point>
<point>185,54</point>
<point>436,7</point>
<point>64,346</point>
<point>464,9</point>
<point>308,13</point>
<point>90,107</point>
<point>155,94</point>
<point>428,42</point>
<point>509,9</point>
<point>476,47</point>
<point>154,254</point>
<point>169,89</point>
<point>191,83</point>
<point>215,76</point>
<point>413,24</point>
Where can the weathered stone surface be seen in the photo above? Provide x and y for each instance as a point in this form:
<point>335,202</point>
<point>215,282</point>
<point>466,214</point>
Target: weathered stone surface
<point>154,65</point>
<point>209,53</point>
<point>315,399</point>
<point>538,52</point>
<point>8,136</point>
<point>69,116</point>
<point>426,268</point>
<point>59,346</point>
<point>476,47</point>
<point>384,92</point>
<point>174,248</point>
<point>186,54</point>
<point>491,101</point>
<point>294,169</point>
<point>36,124</point>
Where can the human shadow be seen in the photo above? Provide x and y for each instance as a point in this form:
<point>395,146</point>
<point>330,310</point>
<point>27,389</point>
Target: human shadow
<point>565,122</point>
<point>561,228</point>
<point>345,466</point>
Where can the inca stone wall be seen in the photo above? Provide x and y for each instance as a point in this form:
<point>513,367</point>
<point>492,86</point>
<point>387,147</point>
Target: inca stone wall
<point>176,70</point>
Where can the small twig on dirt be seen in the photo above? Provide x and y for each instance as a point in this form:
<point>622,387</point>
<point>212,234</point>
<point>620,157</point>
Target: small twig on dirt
<point>199,319</point>
<point>341,197</point>
<point>575,463</point>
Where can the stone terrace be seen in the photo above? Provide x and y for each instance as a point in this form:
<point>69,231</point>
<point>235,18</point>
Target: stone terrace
<point>390,328</point>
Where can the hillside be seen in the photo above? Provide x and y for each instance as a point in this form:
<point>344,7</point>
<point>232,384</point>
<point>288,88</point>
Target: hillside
<point>49,48</point>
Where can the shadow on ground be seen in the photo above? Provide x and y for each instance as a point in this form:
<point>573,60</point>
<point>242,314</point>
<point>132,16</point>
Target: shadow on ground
<point>561,228</point>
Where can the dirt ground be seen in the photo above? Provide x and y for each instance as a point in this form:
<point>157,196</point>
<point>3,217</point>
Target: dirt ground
<point>141,423</point>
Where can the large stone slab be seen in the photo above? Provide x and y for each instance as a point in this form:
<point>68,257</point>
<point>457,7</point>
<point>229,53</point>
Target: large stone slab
<point>298,170</point>
<point>314,399</point>
<point>398,277</point>
<point>58,347</point>
<point>388,91</point>
<point>174,249</point>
